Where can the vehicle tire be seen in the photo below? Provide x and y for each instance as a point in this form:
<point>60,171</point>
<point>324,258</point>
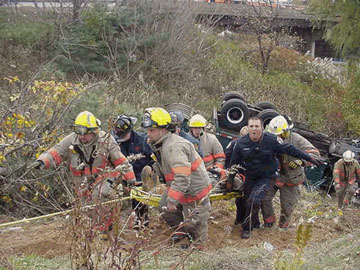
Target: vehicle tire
<point>265,105</point>
<point>267,115</point>
<point>231,95</point>
<point>235,114</point>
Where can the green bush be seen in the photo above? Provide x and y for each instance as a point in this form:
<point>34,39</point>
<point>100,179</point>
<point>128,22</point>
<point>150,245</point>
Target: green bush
<point>26,32</point>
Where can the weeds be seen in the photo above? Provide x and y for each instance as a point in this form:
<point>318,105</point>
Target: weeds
<point>296,261</point>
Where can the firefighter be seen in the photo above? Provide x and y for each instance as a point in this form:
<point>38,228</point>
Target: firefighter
<point>214,156</point>
<point>346,171</point>
<point>131,143</point>
<point>92,155</point>
<point>255,152</point>
<point>186,199</point>
<point>177,119</point>
<point>291,176</point>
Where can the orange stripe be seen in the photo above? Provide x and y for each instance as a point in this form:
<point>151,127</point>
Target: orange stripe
<point>208,158</point>
<point>312,151</point>
<point>219,155</point>
<point>179,196</point>
<point>85,171</point>
<point>219,165</point>
<point>337,171</point>
<point>129,175</point>
<point>119,161</point>
<point>196,164</point>
<point>270,219</point>
<point>169,177</point>
<point>337,180</point>
<point>57,158</point>
<point>223,174</point>
<point>293,185</point>
<point>182,170</point>
<point>47,163</point>
<point>75,172</point>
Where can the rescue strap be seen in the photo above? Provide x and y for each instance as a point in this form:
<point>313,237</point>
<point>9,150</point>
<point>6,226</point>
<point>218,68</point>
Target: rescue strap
<point>82,156</point>
<point>2,225</point>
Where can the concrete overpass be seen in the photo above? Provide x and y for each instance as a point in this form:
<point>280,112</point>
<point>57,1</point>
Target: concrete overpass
<point>227,15</point>
<point>235,16</point>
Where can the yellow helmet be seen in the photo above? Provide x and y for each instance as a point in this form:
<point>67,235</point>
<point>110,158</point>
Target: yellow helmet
<point>156,118</point>
<point>197,121</point>
<point>86,122</point>
<point>279,125</point>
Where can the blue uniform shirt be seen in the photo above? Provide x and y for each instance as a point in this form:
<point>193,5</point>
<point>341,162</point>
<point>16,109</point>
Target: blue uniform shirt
<point>259,158</point>
<point>136,145</point>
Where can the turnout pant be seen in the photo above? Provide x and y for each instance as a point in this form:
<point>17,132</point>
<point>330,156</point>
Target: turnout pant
<point>254,191</point>
<point>194,215</point>
<point>289,196</point>
<point>345,193</point>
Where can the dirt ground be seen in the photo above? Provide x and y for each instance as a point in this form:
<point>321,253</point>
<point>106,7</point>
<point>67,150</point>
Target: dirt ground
<point>51,238</point>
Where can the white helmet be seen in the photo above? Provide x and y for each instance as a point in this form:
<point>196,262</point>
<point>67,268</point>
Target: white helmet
<point>348,156</point>
<point>279,125</point>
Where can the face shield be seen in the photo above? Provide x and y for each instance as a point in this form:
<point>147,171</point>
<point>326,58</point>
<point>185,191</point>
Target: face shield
<point>147,122</point>
<point>81,130</point>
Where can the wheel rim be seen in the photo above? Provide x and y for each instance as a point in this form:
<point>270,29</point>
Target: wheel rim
<point>235,115</point>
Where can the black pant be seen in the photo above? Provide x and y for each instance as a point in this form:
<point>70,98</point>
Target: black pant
<point>254,191</point>
<point>240,210</point>
<point>141,210</point>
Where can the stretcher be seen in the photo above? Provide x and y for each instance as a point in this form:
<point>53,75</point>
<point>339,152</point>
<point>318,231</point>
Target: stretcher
<point>154,199</point>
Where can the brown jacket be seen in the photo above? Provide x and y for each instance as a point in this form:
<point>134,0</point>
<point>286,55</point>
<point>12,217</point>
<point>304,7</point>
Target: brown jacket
<point>213,152</point>
<point>182,167</point>
<point>346,173</point>
<point>95,159</point>
<point>294,177</point>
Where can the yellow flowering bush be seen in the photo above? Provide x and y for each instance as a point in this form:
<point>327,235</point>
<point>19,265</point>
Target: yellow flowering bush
<point>31,122</point>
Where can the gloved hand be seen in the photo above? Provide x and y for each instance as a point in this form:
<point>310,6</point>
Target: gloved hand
<point>295,163</point>
<point>37,164</point>
<point>316,161</point>
<point>130,183</point>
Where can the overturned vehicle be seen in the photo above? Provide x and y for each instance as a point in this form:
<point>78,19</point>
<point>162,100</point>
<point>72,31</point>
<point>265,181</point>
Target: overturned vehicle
<point>235,112</point>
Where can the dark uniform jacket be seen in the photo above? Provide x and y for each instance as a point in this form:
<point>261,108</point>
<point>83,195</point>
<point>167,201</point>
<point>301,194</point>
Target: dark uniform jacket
<point>258,158</point>
<point>136,145</point>
<point>228,153</point>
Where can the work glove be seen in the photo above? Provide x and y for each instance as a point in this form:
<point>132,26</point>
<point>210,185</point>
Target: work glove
<point>316,161</point>
<point>295,163</point>
<point>37,164</point>
<point>130,183</point>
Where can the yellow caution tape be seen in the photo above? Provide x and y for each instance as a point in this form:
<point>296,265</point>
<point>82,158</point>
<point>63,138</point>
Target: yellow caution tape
<point>60,213</point>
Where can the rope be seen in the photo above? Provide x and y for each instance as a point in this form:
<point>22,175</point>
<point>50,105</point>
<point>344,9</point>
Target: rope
<point>2,225</point>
